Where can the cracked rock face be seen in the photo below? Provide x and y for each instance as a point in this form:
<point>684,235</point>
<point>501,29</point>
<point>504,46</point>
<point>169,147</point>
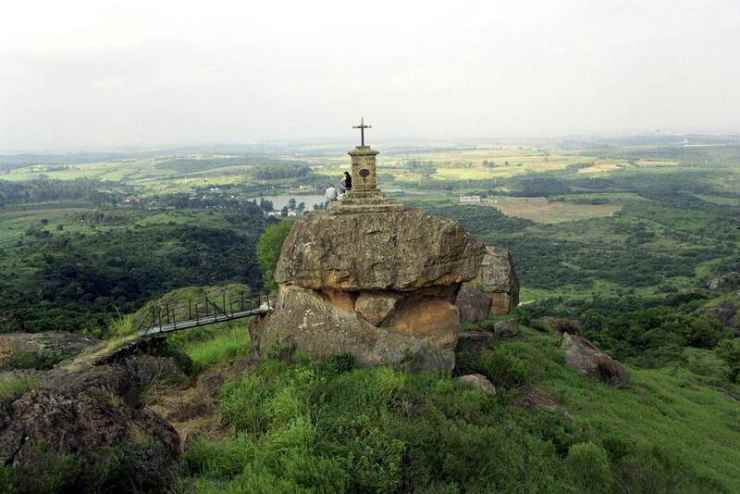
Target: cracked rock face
<point>401,250</point>
<point>378,284</point>
<point>494,291</point>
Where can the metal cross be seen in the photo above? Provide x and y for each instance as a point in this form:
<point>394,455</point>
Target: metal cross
<point>362,128</point>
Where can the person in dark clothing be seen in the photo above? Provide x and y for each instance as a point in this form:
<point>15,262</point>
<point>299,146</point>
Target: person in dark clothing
<point>347,182</point>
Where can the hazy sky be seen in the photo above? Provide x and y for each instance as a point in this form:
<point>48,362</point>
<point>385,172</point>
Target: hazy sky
<point>97,74</point>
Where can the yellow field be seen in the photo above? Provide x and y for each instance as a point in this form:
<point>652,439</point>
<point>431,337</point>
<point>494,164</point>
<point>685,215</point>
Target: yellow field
<point>540,210</point>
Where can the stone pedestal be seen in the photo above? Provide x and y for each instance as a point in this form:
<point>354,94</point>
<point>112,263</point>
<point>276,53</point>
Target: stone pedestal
<point>365,195</point>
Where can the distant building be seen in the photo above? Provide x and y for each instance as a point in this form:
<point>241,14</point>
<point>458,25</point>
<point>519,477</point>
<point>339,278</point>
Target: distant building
<point>470,199</point>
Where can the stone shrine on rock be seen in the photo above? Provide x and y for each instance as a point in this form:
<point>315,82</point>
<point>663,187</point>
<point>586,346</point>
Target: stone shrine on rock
<point>365,194</point>
<point>373,278</point>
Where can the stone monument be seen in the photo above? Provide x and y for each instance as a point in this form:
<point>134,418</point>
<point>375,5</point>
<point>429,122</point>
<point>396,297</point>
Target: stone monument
<point>365,194</point>
<point>372,278</point>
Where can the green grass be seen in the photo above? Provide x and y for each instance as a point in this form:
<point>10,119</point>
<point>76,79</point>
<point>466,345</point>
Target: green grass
<point>215,344</point>
<point>311,427</point>
<point>671,407</point>
<point>12,387</point>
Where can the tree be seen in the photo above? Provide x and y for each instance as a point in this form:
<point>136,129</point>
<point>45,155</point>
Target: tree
<point>266,205</point>
<point>268,249</point>
<point>729,351</point>
<point>284,211</point>
<point>291,203</point>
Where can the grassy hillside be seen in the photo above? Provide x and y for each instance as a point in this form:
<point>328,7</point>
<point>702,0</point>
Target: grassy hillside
<point>306,426</point>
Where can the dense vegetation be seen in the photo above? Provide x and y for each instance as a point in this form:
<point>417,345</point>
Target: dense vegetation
<point>303,426</point>
<point>45,190</point>
<point>69,280</point>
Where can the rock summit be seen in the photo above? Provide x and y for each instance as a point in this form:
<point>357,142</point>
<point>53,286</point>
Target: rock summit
<point>372,278</point>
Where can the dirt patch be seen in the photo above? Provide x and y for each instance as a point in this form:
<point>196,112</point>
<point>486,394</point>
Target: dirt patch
<point>192,408</point>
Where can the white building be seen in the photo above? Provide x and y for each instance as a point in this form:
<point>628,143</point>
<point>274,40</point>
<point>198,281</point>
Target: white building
<point>469,199</point>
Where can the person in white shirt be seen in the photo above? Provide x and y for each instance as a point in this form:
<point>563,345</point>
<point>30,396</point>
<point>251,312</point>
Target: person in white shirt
<point>330,194</point>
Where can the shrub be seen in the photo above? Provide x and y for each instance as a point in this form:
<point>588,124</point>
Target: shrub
<point>338,364</point>
<point>729,351</point>
<point>268,249</point>
<point>704,333</point>
<point>504,368</point>
<point>588,465</point>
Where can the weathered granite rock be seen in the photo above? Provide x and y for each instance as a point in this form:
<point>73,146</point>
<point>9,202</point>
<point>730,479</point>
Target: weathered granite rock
<point>94,418</point>
<point>474,305</point>
<point>585,357</point>
<point>479,381</point>
<point>400,250</point>
<point>376,307</point>
<point>496,280</point>
<point>375,280</point>
<point>507,329</point>
<point>307,321</point>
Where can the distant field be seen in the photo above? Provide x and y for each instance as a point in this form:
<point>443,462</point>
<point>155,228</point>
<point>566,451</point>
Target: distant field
<point>542,210</point>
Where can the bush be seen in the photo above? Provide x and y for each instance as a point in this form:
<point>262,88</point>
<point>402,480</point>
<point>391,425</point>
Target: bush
<point>338,364</point>
<point>588,465</point>
<point>504,368</point>
<point>268,249</point>
<point>729,351</point>
<point>704,333</point>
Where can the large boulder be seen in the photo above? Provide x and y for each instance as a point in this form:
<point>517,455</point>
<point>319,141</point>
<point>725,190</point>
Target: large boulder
<point>308,321</point>
<point>88,432</point>
<point>586,358</point>
<point>399,250</point>
<point>495,290</point>
<point>378,283</point>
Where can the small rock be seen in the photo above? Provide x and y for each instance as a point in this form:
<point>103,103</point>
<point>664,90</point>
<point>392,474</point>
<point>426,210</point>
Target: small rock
<point>506,329</point>
<point>537,399</point>
<point>479,381</point>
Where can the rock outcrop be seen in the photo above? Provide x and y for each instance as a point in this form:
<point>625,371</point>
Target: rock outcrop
<point>88,432</point>
<point>402,250</point>
<point>494,290</point>
<point>40,350</point>
<point>380,284</point>
<point>585,357</point>
<point>725,282</point>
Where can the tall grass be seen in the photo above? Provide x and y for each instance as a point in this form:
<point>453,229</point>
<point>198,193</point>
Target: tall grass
<point>12,387</point>
<point>214,344</point>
